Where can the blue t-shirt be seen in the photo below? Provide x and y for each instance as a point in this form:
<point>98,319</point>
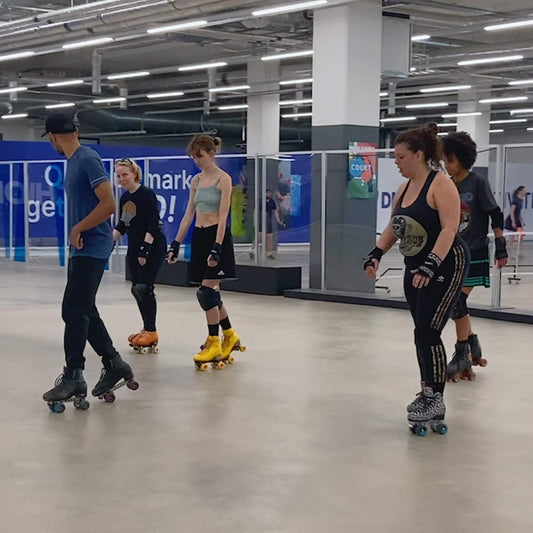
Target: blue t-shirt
<point>85,171</point>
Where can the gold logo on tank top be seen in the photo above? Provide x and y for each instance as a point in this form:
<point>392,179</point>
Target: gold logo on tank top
<point>412,235</point>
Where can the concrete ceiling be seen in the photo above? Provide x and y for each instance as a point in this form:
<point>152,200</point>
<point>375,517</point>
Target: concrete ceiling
<point>235,36</point>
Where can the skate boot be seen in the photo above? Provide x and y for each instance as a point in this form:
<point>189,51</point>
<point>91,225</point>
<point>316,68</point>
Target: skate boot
<point>460,367</point>
<point>431,410</point>
<point>146,342</point>
<point>417,402</point>
<point>230,343</point>
<point>475,349</point>
<point>69,387</point>
<point>115,374</point>
<point>133,335</point>
<point>211,352</point>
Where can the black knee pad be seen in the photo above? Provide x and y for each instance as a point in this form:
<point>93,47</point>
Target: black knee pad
<point>208,298</point>
<point>140,290</point>
<point>460,309</point>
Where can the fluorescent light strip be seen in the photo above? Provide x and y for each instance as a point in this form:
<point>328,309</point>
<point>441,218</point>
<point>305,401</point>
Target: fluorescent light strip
<point>296,115</point>
<point>528,129</point>
<point>470,114</point>
<point>521,82</point>
<point>64,83</point>
<point>382,95</point>
<point>229,88</point>
<point>496,131</point>
<point>289,8</point>
<point>13,90</point>
<point>287,55</point>
<point>447,125</point>
<point>180,26</point>
<point>445,88</point>
<point>508,121</point>
<point>490,60</point>
<point>203,66</point>
<point>59,106</point>
<point>90,42</point>
<point>231,107</point>
<point>296,82</point>
<point>442,134</point>
<point>422,106</point>
<point>109,100</point>
<point>417,38</point>
<point>305,101</point>
<point>397,119</point>
<point>165,95</point>
<point>16,115</point>
<point>17,55</point>
<point>508,25</point>
<point>139,74</point>
<point>523,110</point>
<point>506,99</point>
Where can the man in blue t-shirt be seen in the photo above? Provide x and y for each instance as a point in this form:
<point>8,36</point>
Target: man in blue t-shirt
<point>90,204</point>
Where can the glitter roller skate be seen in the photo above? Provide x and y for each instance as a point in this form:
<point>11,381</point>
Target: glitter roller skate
<point>145,342</point>
<point>115,374</point>
<point>460,367</point>
<point>231,342</point>
<point>210,353</point>
<point>69,387</point>
<point>475,349</point>
<point>430,411</point>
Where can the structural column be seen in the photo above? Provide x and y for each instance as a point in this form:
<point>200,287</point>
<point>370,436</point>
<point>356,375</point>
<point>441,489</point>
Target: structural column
<point>346,74</point>
<point>477,126</point>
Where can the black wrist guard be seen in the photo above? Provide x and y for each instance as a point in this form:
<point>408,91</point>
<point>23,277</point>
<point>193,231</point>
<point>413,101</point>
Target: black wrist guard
<point>173,251</point>
<point>215,251</point>
<point>145,249</point>
<point>501,249</point>
<point>429,266</point>
<point>376,253</point>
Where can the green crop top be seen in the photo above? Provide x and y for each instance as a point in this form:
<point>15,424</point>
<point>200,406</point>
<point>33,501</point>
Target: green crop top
<point>207,199</point>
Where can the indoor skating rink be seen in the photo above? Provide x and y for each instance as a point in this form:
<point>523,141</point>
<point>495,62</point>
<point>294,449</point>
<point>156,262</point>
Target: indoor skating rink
<point>307,432</point>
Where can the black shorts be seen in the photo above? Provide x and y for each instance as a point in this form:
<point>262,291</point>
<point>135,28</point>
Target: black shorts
<point>202,241</point>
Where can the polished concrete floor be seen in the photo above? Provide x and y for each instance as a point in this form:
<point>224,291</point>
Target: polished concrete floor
<point>306,432</point>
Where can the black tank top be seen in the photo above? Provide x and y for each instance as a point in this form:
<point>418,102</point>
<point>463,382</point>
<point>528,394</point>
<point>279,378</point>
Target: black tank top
<point>417,226</point>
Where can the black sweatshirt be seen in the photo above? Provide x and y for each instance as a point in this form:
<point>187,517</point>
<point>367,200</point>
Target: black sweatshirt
<point>139,214</point>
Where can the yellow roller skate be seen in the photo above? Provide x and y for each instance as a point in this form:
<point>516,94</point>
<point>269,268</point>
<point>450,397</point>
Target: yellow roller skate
<point>146,342</point>
<point>211,352</point>
<point>230,343</point>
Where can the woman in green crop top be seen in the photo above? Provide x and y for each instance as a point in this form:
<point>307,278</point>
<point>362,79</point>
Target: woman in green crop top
<point>212,256</point>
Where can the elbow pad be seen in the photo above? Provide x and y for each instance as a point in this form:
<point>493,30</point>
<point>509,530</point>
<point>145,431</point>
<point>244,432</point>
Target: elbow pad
<point>496,216</point>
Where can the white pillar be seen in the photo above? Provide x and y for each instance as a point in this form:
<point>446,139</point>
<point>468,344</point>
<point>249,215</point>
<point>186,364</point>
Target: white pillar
<point>262,131</point>
<point>476,126</point>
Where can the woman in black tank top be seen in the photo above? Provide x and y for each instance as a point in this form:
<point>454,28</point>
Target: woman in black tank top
<point>425,218</point>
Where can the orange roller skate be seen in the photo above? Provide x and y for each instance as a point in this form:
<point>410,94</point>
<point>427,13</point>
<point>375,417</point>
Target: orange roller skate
<point>231,342</point>
<point>146,342</point>
<point>133,335</point>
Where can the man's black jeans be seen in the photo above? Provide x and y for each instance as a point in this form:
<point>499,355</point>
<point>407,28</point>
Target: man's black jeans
<point>82,321</point>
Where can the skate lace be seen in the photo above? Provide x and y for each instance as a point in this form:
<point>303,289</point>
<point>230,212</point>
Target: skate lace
<point>59,380</point>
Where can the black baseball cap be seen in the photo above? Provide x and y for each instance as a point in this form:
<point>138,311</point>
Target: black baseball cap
<point>61,122</point>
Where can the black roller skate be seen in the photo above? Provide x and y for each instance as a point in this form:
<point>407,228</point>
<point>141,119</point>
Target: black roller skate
<point>431,410</point>
<point>475,349</point>
<point>460,367</point>
<point>115,374</point>
<point>69,387</point>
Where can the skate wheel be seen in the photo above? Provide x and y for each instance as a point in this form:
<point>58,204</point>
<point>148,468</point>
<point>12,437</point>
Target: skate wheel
<point>231,359</point>
<point>482,362</point>
<point>201,366</point>
<point>143,350</point>
<point>421,431</point>
<point>109,397</point>
<point>242,348</point>
<point>56,407</point>
<point>155,349</point>
<point>219,365</point>
<point>455,378</point>
<point>81,404</point>
<point>133,385</point>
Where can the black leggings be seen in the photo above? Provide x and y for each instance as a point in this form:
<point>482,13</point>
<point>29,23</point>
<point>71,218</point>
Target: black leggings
<point>430,308</point>
<point>142,285</point>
